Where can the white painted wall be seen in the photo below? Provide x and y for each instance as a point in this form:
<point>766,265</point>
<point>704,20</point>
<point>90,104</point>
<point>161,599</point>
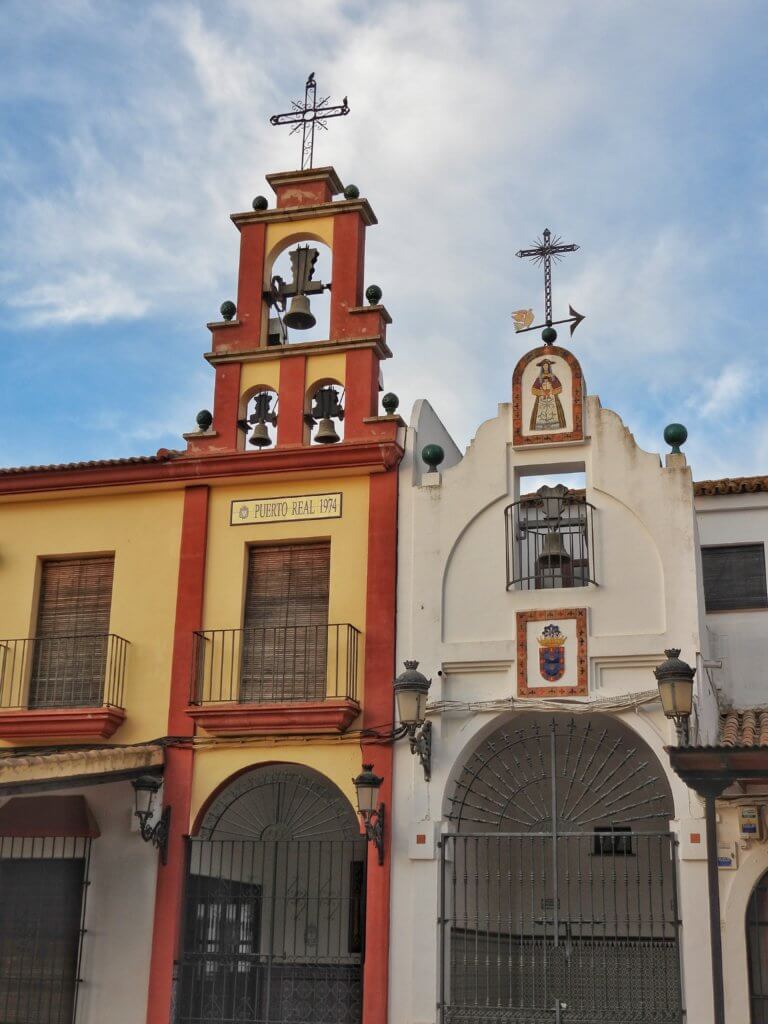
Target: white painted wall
<point>456,617</point>
<point>738,638</point>
<point>119,911</point>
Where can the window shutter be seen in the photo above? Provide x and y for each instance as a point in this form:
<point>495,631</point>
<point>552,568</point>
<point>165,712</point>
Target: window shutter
<point>70,647</point>
<point>285,635</point>
<point>75,597</point>
<point>734,577</point>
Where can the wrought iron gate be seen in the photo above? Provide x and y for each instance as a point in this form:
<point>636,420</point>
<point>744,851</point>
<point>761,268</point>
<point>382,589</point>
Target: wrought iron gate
<point>274,926</point>
<point>559,892</point>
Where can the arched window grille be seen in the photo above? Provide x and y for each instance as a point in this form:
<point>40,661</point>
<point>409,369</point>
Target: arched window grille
<point>550,540</point>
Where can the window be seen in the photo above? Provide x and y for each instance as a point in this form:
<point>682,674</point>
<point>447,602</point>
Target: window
<point>550,540</point>
<point>285,634</point>
<point>612,841</point>
<point>40,909</point>
<point>734,577</point>
<point>70,647</point>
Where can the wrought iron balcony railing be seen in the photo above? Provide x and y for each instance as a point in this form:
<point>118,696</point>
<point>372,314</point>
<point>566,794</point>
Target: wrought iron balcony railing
<point>63,672</point>
<point>276,664</point>
<point>550,541</point>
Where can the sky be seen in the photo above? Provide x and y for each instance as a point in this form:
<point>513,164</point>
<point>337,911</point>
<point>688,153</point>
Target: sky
<point>131,130</point>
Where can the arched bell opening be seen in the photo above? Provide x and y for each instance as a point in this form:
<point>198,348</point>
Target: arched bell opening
<point>324,413</point>
<point>258,419</point>
<point>559,877</point>
<point>274,903</point>
<point>298,291</point>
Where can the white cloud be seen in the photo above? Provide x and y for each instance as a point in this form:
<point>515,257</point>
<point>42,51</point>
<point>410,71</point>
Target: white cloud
<point>472,127</point>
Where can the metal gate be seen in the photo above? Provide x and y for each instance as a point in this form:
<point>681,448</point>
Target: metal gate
<point>274,926</point>
<point>559,891</point>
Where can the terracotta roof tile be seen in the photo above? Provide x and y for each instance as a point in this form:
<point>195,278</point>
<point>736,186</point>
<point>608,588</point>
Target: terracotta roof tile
<point>162,456</point>
<point>731,485</point>
<point>744,728</point>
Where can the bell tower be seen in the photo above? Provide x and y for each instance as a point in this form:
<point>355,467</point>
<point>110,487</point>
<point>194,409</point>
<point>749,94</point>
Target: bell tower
<point>274,392</point>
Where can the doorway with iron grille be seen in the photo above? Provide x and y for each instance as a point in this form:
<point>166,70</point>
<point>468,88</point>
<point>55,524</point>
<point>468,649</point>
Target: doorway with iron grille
<point>558,882</point>
<point>274,905</point>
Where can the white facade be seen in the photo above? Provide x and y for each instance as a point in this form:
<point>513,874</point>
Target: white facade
<point>457,617</point>
<point>734,513</point>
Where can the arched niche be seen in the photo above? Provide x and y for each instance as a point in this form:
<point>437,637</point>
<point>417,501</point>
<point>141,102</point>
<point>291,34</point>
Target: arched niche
<point>279,802</point>
<point>251,413</point>
<point>278,263</point>
<point>310,395</point>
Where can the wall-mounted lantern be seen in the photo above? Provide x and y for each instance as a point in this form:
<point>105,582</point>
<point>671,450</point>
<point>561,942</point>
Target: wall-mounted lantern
<point>145,789</point>
<point>367,786</point>
<point>411,690</point>
<point>675,681</point>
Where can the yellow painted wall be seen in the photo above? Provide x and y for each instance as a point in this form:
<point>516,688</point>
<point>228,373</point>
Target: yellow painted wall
<point>340,762</point>
<point>264,373</point>
<point>223,609</point>
<point>143,530</point>
<point>227,547</point>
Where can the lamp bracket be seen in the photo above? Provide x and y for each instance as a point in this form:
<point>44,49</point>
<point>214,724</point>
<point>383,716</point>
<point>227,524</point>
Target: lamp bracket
<point>374,830</point>
<point>156,834</point>
<point>420,739</point>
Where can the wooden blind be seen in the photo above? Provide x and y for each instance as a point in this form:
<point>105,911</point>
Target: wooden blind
<point>288,585</point>
<point>70,648</point>
<point>734,577</point>
<point>75,596</point>
<point>285,638</point>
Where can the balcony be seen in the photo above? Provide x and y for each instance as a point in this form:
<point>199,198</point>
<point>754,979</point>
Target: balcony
<point>277,679</point>
<point>550,540</point>
<point>67,687</point>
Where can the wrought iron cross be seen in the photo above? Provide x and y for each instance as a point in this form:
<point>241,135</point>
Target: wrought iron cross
<point>545,250</point>
<point>308,115</point>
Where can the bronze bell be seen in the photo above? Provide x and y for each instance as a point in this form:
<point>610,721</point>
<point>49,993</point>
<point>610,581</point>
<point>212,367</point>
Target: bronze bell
<point>260,436</point>
<point>326,432</point>
<point>299,315</point>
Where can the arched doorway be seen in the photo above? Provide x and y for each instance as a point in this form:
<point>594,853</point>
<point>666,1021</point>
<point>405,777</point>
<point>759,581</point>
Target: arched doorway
<point>274,905</point>
<point>757,951</point>
<point>558,883</point>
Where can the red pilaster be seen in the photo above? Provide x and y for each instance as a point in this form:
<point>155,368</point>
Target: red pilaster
<point>347,272</point>
<point>378,712</point>
<point>250,283</point>
<point>226,403</point>
<point>290,413</point>
<point>179,760</point>
<point>361,388</point>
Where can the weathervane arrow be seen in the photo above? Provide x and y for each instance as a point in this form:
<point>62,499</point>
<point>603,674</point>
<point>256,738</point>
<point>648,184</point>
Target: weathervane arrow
<point>545,250</point>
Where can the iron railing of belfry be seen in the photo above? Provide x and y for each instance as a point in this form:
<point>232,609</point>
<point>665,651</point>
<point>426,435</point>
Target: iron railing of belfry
<point>63,671</point>
<point>276,664</point>
<point>550,543</point>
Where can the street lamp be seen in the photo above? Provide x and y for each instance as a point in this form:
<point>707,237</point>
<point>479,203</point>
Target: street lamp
<point>367,787</point>
<point>411,690</point>
<point>675,681</point>
<point>144,790</point>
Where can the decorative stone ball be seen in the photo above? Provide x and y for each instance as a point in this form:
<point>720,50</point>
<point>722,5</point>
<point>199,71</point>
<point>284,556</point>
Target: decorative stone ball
<point>373,293</point>
<point>390,401</point>
<point>228,310</point>
<point>549,335</point>
<point>675,434</point>
<point>351,192</point>
<point>433,455</point>
<point>204,420</point>
<point>260,203</point>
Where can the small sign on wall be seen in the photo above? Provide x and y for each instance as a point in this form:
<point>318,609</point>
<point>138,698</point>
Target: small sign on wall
<point>285,509</point>
<point>552,653</point>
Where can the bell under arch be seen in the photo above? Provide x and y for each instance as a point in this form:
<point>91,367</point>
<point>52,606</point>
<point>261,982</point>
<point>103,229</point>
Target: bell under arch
<point>543,773</point>
<point>281,802</point>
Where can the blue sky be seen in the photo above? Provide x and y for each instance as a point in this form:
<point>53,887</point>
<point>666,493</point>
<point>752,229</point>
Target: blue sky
<point>130,131</point>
